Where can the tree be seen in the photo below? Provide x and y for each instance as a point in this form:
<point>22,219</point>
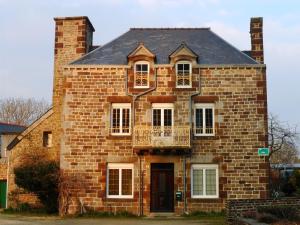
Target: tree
<point>22,111</point>
<point>282,141</point>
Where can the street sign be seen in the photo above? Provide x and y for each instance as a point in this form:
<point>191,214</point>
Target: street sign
<point>263,151</point>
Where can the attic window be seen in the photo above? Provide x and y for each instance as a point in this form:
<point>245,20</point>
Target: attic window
<point>141,74</point>
<point>47,139</point>
<point>184,74</point>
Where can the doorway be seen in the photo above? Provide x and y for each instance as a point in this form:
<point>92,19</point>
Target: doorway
<point>162,187</point>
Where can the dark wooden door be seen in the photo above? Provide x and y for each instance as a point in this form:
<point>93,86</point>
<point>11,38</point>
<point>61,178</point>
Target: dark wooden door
<point>162,187</point>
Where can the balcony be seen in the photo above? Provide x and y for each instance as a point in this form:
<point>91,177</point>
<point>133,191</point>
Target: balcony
<point>161,137</point>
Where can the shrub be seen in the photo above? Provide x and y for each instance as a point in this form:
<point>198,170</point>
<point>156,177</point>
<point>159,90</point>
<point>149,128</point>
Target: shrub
<point>281,211</point>
<point>267,218</point>
<point>41,179</point>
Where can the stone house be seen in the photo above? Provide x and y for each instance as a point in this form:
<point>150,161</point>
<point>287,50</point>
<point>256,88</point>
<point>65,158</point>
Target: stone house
<point>7,133</point>
<point>157,120</point>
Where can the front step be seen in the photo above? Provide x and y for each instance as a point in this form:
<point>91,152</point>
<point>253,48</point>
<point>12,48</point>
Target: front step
<point>163,215</point>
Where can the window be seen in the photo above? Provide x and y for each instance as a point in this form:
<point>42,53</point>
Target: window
<point>205,181</point>
<point>162,119</point>
<point>120,119</point>
<point>204,120</point>
<point>184,74</point>
<point>141,75</point>
<point>119,180</point>
<point>47,139</point>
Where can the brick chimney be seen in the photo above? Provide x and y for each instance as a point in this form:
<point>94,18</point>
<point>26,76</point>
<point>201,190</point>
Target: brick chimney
<point>256,34</point>
<point>73,39</point>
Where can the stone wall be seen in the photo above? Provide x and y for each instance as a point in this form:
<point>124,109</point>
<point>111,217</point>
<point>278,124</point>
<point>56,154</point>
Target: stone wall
<point>236,208</point>
<point>3,168</point>
<point>239,94</point>
<point>31,143</point>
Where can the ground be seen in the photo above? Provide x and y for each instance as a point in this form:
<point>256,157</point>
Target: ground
<point>53,220</point>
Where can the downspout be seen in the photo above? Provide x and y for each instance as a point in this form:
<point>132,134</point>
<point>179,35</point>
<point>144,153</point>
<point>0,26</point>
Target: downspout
<point>7,179</point>
<point>191,133</point>
<point>134,98</point>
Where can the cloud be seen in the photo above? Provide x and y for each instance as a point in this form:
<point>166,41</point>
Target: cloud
<point>239,38</point>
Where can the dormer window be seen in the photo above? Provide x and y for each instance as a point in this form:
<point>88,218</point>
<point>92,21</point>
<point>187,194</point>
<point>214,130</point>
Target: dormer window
<point>141,74</point>
<point>183,74</point>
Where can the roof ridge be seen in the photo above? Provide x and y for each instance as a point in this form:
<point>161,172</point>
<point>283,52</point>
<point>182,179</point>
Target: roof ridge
<point>170,28</point>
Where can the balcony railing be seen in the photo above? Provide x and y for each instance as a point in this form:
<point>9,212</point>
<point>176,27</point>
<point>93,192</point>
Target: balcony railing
<point>161,137</point>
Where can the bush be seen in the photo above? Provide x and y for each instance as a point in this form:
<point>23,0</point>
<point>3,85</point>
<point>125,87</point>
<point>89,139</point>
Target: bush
<point>41,179</point>
<point>281,211</point>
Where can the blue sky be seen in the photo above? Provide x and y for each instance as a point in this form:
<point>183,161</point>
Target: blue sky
<point>27,38</point>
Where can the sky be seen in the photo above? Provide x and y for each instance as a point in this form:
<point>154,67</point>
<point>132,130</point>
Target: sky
<point>27,38</point>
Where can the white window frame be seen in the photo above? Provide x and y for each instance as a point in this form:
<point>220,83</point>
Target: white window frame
<point>204,167</point>
<point>119,166</point>
<point>176,66</point>
<point>148,73</point>
<point>120,106</point>
<point>204,106</point>
<point>163,106</point>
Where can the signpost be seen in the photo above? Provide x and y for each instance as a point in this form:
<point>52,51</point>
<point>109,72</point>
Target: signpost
<point>263,151</point>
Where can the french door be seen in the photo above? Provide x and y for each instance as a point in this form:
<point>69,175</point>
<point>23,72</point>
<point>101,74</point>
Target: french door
<point>162,120</point>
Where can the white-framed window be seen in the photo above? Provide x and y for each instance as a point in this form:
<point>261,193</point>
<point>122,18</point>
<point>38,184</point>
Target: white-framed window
<point>184,74</point>
<point>121,119</point>
<point>47,139</point>
<point>204,181</point>
<point>141,74</point>
<point>162,119</point>
<point>204,122</point>
<point>119,180</point>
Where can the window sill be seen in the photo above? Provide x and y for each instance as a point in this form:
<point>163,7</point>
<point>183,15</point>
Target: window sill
<point>141,87</point>
<point>119,197</point>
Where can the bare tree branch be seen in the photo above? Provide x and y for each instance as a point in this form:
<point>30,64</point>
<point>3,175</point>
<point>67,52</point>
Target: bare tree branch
<point>22,111</point>
<point>282,141</point>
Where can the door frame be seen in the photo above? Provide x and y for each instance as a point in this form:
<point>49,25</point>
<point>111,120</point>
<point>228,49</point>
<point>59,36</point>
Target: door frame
<point>172,169</point>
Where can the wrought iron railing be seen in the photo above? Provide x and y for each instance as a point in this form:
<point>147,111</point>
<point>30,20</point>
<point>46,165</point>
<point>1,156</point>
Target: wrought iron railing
<point>161,136</point>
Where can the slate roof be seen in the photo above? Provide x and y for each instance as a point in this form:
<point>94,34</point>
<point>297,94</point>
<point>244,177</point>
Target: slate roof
<point>210,48</point>
<point>6,128</point>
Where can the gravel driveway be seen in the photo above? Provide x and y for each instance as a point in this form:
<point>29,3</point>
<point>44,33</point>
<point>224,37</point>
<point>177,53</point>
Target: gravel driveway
<point>31,220</point>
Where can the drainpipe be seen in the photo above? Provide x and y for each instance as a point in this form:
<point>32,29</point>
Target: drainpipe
<point>134,98</point>
<point>191,134</point>
<point>7,178</point>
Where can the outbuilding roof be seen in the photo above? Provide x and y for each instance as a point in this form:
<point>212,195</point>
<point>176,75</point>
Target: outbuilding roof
<point>210,48</point>
<point>7,128</point>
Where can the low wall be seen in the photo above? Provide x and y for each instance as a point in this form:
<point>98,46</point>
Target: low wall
<point>235,208</point>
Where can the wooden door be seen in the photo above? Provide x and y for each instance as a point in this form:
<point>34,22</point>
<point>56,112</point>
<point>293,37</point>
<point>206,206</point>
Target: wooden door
<point>162,187</point>
<point>3,186</point>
